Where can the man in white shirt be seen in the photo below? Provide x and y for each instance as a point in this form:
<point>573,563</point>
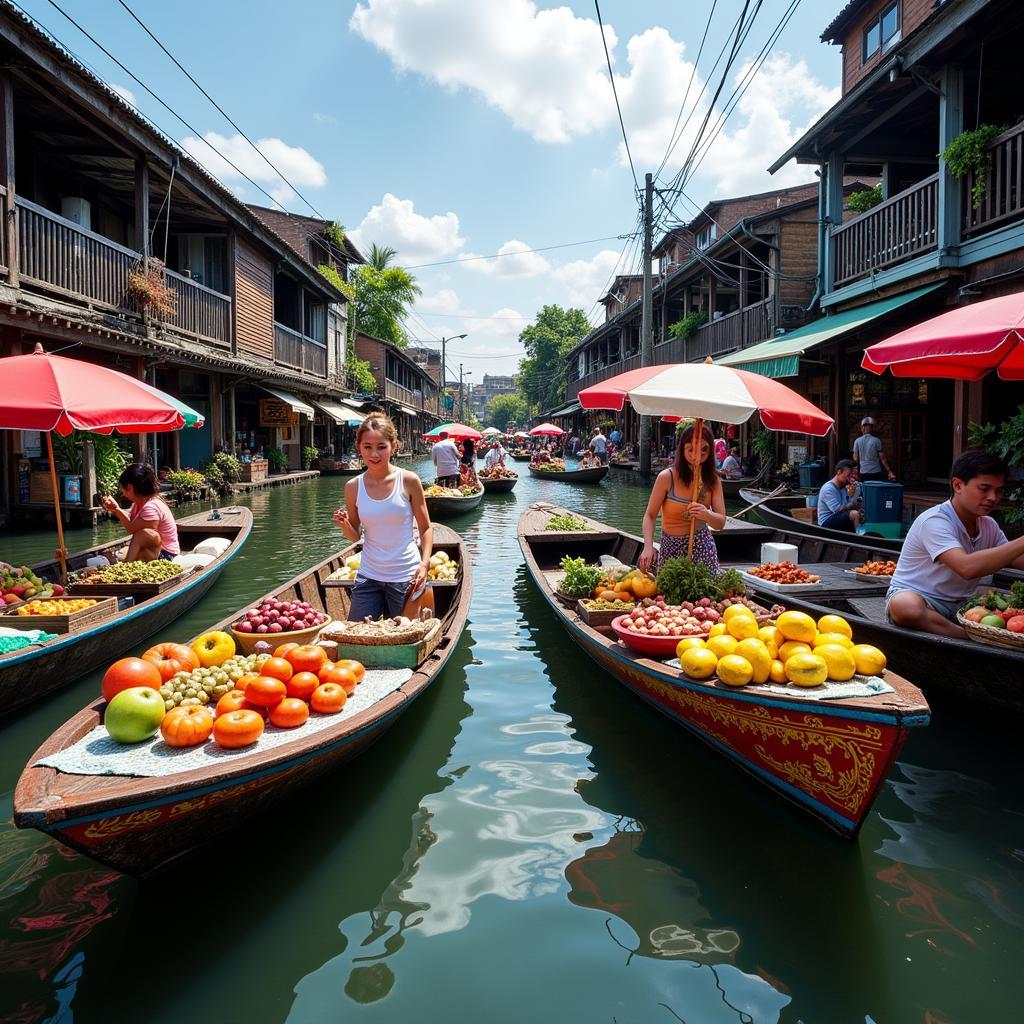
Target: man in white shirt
<point>496,456</point>
<point>869,456</point>
<point>445,457</point>
<point>599,445</point>
<point>950,548</point>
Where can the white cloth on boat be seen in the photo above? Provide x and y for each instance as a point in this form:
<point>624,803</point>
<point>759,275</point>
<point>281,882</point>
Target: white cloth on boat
<point>215,546</point>
<point>193,560</point>
<point>97,754</point>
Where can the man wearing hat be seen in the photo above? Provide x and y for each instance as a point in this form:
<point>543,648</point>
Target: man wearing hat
<point>869,456</point>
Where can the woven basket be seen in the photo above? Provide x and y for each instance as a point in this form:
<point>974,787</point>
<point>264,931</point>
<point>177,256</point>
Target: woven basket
<point>413,634</point>
<point>991,634</point>
<point>246,642</point>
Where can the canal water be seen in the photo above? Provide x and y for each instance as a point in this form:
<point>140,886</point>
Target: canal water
<point>529,843</point>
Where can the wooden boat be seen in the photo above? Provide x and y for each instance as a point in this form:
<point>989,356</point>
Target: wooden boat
<point>139,825</point>
<point>33,672</point>
<point>591,475</point>
<point>777,512</point>
<point>830,757</point>
<point>522,456</point>
<point>732,487</point>
<point>337,468</point>
<point>442,505</point>
<point>500,486</point>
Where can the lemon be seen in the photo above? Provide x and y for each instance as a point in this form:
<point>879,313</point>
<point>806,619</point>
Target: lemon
<point>778,673</point>
<point>870,661</point>
<point>806,670</point>
<point>835,624</point>
<point>686,643</point>
<point>839,660</point>
<point>699,662</point>
<point>736,609</point>
<point>735,671</point>
<point>791,647</point>
<point>718,629</point>
<point>720,646</point>
<point>832,638</point>
<point>757,653</point>
<point>797,626</point>
<point>771,635</point>
<point>742,626</point>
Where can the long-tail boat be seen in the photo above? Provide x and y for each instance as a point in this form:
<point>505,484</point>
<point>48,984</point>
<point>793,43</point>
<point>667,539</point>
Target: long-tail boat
<point>589,475</point>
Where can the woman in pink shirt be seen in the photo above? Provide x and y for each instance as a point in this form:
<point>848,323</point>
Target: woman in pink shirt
<point>149,521</point>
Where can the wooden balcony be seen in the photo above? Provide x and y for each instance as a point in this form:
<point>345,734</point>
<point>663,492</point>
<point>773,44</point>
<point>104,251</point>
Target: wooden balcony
<point>299,352</point>
<point>739,329</point>
<point>1004,194</point>
<point>61,258</point>
<point>902,227</point>
<point>395,392</point>
<point>574,387</point>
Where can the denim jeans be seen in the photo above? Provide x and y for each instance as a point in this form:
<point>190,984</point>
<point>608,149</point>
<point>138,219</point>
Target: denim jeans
<point>373,598</point>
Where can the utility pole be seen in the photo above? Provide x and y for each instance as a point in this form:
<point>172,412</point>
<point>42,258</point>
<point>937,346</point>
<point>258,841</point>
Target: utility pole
<point>462,397</point>
<point>646,332</point>
<point>444,371</point>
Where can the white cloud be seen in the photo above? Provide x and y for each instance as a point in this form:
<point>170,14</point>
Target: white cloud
<point>324,118</point>
<point>583,282</point>
<point>444,301</point>
<point>417,238</point>
<point>514,261</point>
<point>126,94</point>
<point>294,162</point>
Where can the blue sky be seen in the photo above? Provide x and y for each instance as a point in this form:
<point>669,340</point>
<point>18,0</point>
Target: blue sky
<point>452,128</point>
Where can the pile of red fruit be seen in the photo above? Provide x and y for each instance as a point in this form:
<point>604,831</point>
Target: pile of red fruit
<point>273,616</point>
<point>661,619</point>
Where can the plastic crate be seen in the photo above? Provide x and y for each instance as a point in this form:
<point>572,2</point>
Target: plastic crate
<point>812,474</point>
<point>883,502</point>
<point>891,530</point>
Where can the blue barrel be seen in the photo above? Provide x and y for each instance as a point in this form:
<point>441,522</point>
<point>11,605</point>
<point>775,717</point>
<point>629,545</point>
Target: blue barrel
<point>883,502</point>
<point>71,490</point>
<point>813,474</point>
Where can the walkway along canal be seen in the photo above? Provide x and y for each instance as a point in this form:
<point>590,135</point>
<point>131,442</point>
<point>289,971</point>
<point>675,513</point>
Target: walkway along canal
<point>529,843</point>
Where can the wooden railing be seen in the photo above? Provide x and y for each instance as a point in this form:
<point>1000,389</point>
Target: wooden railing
<point>298,351</point>
<point>901,227</point>
<point>200,312</point>
<point>739,329</point>
<point>398,393</point>
<point>1004,194</point>
<point>596,376</point>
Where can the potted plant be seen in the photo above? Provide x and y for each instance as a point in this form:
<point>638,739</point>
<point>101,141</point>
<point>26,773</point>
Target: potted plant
<point>147,287</point>
<point>277,459</point>
<point>969,152</point>
<point>309,455</point>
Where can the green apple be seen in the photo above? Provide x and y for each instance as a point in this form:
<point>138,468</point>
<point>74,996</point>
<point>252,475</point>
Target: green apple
<point>994,620</point>
<point>134,714</point>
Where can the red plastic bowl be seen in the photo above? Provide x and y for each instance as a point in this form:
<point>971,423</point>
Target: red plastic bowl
<point>656,646</point>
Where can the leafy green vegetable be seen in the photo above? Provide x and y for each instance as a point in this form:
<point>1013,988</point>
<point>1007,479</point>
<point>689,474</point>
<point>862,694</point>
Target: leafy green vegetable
<point>731,583</point>
<point>567,522</point>
<point>580,578</point>
<point>1017,594</point>
<point>682,580</point>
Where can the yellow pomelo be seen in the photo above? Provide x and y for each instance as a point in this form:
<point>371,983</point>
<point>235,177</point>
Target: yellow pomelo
<point>796,626</point>
<point>778,673</point>
<point>699,662</point>
<point>870,661</point>
<point>736,609</point>
<point>835,624</point>
<point>771,635</point>
<point>718,629</point>
<point>742,626</point>
<point>773,650</point>
<point>734,670</point>
<point>720,646</point>
<point>791,647</point>
<point>832,638</point>
<point>757,653</point>
<point>806,670</point>
<point>839,660</point>
<point>686,643</point>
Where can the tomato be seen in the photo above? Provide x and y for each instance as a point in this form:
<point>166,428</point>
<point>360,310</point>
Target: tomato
<point>233,700</point>
<point>259,709</point>
<point>289,713</point>
<point>355,667</point>
<point>237,729</point>
<point>170,659</point>
<point>338,675</point>
<point>277,668</point>
<point>307,658</point>
<point>302,685</point>
<point>265,691</point>
<point>282,651</point>
<point>328,698</point>
<point>187,727</point>
<point>129,672</point>
<point>1015,624</point>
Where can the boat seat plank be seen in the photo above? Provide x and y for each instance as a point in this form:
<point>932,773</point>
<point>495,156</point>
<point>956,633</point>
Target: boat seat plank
<point>870,607</point>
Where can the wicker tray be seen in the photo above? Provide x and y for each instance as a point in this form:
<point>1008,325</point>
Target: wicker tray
<point>409,655</point>
<point>991,634</point>
<point>75,622</point>
<point>599,618</point>
<point>246,642</point>
<point>126,589</point>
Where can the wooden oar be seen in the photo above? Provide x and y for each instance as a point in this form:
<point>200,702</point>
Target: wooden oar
<point>771,494</point>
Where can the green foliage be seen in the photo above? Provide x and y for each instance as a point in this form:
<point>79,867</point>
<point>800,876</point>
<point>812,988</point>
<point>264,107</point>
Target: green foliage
<point>221,472</point>
<point>542,374</point>
<point>359,375</point>
<point>580,578</point>
<point>381,296</point>
<point>567,523</point>
<point>680,580</point>
<point>111,461</point>
<point>968,152</point>
<point>763,446</point>
<point>186,484</point>
<point>309,455</point>
<point>335,234</point>
<point>277,458</point>
<point>1006,440</point>
<point>688,325</point>
<point>506,411</point>
<point>69,449</point>
<point>731,583</point>
<point>861,202</point>
<point>332,275</point>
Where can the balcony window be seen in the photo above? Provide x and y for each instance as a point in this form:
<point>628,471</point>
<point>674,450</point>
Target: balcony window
<point>706,236</point>
<point>883,31</point>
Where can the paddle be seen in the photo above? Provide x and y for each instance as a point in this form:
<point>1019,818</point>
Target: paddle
<point>771,494</point>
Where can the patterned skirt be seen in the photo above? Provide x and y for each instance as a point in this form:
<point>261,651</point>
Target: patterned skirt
<point>704,549</point>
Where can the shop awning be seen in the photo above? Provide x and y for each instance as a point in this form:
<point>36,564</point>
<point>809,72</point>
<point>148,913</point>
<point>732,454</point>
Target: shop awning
<point>288,398</point>
<point>566,410</point>
<point>780,357</point>
<point>340,412</point>
<point>405,410</point>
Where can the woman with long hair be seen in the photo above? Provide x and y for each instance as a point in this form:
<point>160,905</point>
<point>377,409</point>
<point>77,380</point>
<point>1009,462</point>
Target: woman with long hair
<point>381,505</point>
<point>467,464</point>
<point>671,499</point>
<point>149,522</point>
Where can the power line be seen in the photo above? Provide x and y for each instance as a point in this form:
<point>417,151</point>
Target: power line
<point>615,93</point>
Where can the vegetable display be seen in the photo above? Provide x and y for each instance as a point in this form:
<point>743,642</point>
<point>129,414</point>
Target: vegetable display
<point>436,491</point>
<point>55,606</point>
<point>497,473</point>
<point>21,583</point>
<point>442,567</point>
<point>680,579</point>
<point>567,523</point>
<point>157,571</point>
<point>784,573</point>
<point>552,466</point>
<point>274,616</point>
<point>580,579</point>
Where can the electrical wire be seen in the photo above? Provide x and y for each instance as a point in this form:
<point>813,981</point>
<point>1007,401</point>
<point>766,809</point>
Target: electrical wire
<point>615,93</point>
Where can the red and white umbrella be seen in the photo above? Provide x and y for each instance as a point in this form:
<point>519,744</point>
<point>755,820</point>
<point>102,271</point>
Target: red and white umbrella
<point>963,344</point>
<point>547,430</point>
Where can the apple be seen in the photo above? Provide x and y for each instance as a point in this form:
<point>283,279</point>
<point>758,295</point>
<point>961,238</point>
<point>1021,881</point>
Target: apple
<point>134,714</point>
<point>994,620</point>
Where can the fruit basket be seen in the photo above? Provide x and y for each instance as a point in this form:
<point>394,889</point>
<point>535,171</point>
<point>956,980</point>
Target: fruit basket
<point>601,618</point>
<point>656,646</point>
<point>991,634</point>
<point>72,622</point>
<point>87,583</point>
<point>246,642</point>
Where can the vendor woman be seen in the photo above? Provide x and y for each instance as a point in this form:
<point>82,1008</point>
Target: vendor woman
<point>149,521</point>
<point>383,502</point>
<point>671,499</point>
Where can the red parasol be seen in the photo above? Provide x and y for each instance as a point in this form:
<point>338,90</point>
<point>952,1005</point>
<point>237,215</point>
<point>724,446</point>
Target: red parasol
<point>547,430</point>
<point>456,431</point>
<point>963,344</point>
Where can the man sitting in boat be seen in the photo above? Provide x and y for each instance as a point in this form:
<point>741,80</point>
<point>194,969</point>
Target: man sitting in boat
<point>587,459</point>
<point>837,501</point>
<point>732,468</point>
<point>149,521</point>
<point>951,547</point>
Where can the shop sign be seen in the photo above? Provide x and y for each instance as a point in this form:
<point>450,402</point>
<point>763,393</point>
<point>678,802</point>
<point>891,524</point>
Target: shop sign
<point>275,413</point>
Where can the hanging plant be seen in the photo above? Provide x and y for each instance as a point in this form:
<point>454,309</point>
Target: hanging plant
<point>866,199</point>
<point>688,325</point>
<point>148,288</point>
<point>969,152</point>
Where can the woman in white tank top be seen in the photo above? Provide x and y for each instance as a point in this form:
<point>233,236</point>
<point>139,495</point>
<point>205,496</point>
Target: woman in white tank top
<point>382,504</point>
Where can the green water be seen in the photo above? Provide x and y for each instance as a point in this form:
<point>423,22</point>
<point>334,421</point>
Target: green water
<point>529,844</point>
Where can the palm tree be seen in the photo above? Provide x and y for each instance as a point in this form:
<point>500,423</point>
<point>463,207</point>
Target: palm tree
<point>383,294</point>
<point>381,256</point>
